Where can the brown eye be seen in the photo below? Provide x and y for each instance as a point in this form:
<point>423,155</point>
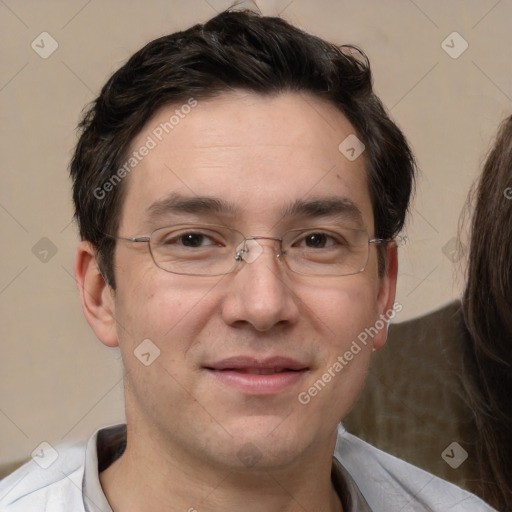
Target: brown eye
<point>189,239</point>
<point>192,240</point>
<point>316,240</point>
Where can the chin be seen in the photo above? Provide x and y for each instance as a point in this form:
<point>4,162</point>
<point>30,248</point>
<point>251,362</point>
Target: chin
<point>267,440</point>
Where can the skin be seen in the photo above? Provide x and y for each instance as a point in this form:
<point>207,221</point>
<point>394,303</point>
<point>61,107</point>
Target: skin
<point>185,428</point>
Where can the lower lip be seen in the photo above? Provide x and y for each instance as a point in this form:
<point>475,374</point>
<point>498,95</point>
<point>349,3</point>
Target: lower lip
<point>257,384</point>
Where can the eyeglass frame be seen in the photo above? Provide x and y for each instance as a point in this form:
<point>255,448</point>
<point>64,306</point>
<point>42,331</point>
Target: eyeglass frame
<point>238,257</point>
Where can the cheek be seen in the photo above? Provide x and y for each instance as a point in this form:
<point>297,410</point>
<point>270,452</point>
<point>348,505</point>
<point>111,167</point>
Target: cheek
<point>350,317</point>
<point>344,317</point>
<point>171,313</point>
<point>169,310</point>
<point>343,312</point>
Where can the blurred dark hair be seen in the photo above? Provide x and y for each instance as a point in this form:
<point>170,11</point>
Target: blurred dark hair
<point>234,50</point>
<point>487,310</point>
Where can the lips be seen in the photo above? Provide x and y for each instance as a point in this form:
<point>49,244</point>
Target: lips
<point>257,376</point>
<point>259,371</point>
<point>252,365</point>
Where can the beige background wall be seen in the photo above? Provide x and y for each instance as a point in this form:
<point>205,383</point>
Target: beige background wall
<point>57,383</point>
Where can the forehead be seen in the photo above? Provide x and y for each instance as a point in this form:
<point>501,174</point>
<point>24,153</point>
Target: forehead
<point>259,155</point>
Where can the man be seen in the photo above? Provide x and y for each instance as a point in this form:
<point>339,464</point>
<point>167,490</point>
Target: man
<point>238,189</point>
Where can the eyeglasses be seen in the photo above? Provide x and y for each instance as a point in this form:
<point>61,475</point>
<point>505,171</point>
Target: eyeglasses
<point>211,250</point>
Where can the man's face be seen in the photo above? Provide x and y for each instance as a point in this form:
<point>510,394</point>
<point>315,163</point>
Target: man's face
<point>259,155</point>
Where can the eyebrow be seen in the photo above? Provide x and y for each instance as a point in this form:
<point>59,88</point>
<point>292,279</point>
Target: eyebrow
<point>341,208</point>
<point>177,203</point>
<point>336,207</point>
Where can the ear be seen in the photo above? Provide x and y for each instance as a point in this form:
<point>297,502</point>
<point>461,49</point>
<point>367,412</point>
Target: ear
<point>386,295</point>
<point>97,296</point>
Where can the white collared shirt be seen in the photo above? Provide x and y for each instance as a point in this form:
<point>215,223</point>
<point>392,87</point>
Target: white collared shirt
<point>369,480</point>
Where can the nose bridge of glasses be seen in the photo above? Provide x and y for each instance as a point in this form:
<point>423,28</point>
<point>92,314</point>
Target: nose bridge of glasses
<point>251,248</point>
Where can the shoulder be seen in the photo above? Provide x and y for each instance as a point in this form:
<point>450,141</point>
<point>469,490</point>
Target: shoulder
<point>390,484</point>
<point>57,487</point>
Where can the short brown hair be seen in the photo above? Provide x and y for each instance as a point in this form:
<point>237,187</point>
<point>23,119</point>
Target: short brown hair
<point>234,50</point>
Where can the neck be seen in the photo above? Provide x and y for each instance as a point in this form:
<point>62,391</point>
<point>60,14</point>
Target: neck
<point>156,475</point>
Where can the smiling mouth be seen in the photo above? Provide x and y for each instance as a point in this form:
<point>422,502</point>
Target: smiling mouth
<point>257,381</point>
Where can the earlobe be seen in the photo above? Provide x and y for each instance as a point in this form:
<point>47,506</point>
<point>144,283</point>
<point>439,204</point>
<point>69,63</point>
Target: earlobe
<point>96,295</point>
<point>386,296</point>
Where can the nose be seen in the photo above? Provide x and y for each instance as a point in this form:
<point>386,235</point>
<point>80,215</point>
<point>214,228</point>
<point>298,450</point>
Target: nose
<point>260,293</point>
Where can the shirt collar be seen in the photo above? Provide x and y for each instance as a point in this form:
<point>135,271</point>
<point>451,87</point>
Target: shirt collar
<point>108,444</point>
